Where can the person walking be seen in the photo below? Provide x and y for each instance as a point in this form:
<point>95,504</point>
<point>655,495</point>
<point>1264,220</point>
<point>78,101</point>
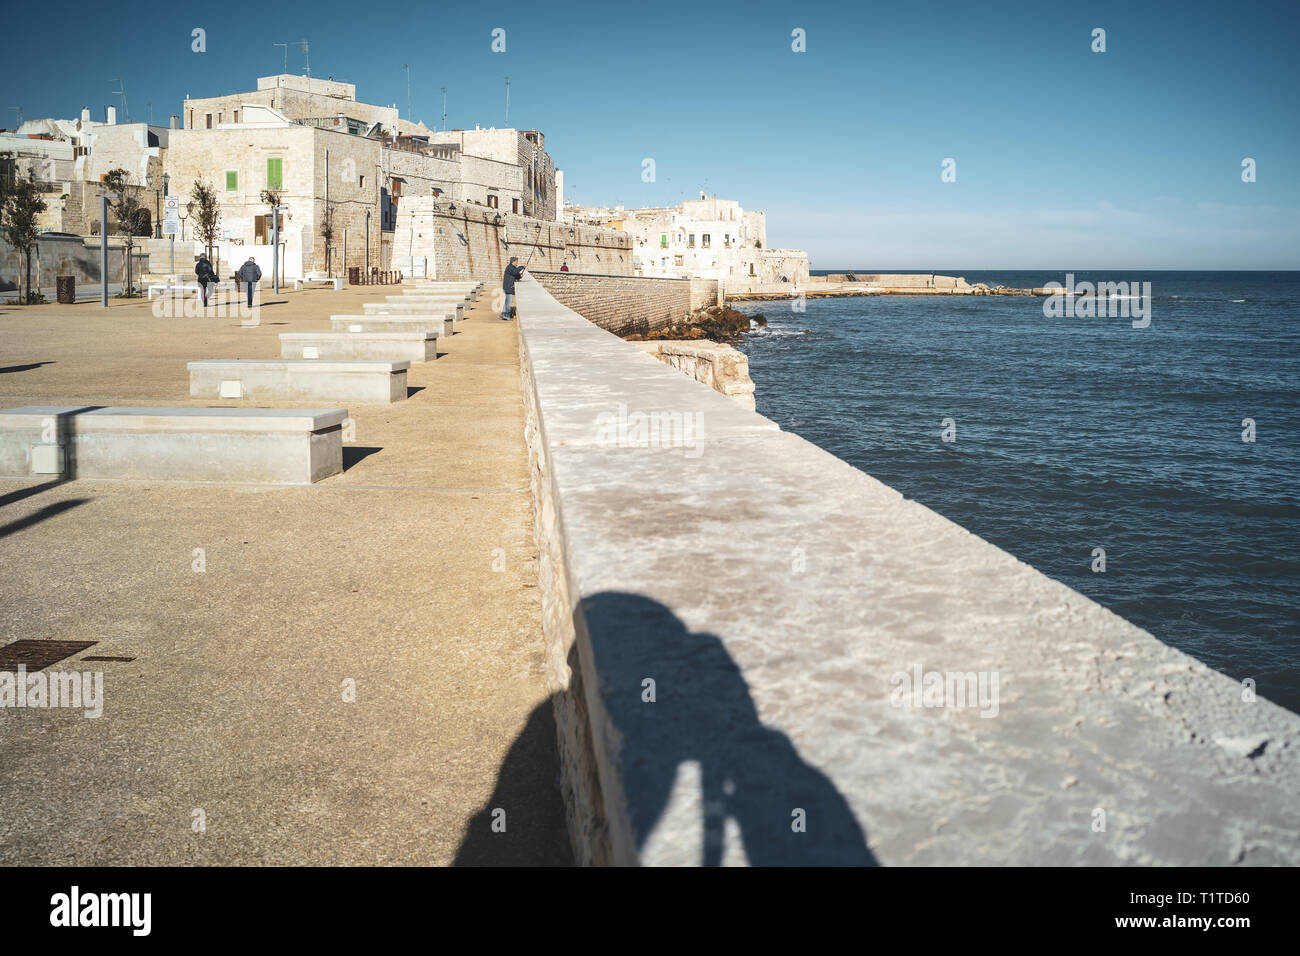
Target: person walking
<point>251,274</point>
<point>203,271</point>
<point>513,274</point>
<point>564,266</point>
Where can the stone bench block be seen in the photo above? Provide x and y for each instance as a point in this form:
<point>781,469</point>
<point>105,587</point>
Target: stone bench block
<point>443,325</point>
<point>455,309</point>
<point>299,380</point>
<point>289,446</point>
<point>419,346</point>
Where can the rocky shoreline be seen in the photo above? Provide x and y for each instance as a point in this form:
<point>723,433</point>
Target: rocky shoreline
<point>716,324</point>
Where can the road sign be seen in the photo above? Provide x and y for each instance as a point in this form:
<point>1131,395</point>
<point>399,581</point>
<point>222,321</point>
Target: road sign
<point>171,216</point>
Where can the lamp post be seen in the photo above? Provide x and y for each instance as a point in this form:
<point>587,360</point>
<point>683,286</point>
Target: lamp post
<point>172,245</point>
<point>157,221</point>
<point>275,248</point>
<point>103,246</point>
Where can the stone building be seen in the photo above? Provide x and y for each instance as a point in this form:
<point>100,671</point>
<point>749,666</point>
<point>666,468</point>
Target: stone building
<point>70,157</point>
<point>707,238</point>
<point>336,161</point>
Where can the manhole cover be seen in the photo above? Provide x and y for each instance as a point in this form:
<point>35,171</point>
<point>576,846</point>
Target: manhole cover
<point>38,655</point>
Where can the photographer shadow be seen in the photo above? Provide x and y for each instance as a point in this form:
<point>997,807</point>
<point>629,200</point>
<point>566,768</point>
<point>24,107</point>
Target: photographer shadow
<point>697,710</point>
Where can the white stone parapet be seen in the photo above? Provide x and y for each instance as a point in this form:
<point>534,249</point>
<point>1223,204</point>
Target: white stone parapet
<point>760,654</point>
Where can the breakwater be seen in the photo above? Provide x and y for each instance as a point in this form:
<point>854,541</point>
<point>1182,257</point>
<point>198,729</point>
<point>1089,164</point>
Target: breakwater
<point>760,654</point>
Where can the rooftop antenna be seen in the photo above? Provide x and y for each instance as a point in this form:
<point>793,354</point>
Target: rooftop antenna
<point>444,109</point>
<point>507,100</point>
<point>286,55</point>
<point>150,107</point>
<point>407,68</point>
<point>306,53</point>
<point>121,91</point>
<point>19,111</point>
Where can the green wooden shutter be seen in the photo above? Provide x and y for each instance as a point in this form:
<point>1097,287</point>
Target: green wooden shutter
<point>232,180</point>
<point>275,174</point>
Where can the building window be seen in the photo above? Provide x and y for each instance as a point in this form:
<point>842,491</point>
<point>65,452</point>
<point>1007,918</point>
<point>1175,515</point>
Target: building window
<point>232,180</point>
<point>690,240</point>
<point>514,205</point>
<point>678,260</point>
<point>663,240</point>
<point>236,119</point>
<point>361,181</point>
<point>263,229</point>
<point>493,201</point>
<point>275,174</point>
<point>209,119</point>
<point>704,241</point>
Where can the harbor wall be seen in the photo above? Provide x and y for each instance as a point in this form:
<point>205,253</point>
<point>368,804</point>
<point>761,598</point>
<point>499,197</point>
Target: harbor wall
<point>626,304</point>
<point>758,654</point>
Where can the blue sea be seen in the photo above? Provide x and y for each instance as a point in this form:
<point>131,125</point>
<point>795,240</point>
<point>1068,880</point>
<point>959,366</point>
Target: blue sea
<point>1078,433</point>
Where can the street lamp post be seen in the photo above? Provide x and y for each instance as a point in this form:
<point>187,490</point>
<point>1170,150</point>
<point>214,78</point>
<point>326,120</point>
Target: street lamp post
<point>103,247</point>
<point>166,193</point>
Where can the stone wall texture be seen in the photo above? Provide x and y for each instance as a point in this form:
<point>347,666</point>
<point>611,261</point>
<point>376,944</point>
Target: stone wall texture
<point>623,304</point>
<point>460,241</point>
<point>718,366</point>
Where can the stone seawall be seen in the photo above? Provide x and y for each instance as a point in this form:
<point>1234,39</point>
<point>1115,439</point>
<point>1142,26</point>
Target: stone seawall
<point>465,241</point>
<point>759,654</point>
<point>721,367</point>
<point>625,304</point>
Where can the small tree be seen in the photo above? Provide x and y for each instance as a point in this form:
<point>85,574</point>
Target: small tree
<point>131,215</point>
<point>327,233</point>
<point>23,206</point>
<point>207,214</point>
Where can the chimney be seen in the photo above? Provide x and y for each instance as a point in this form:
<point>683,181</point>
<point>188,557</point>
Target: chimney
<point>176,122</point>
<point>110,114</point>
<point>85,114</point>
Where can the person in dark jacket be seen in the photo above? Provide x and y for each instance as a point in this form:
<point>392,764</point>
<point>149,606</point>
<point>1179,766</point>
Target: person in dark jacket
<point>564,266</point>
<point>514,273</point>
<point>203,271</point>
<point>251,274</point>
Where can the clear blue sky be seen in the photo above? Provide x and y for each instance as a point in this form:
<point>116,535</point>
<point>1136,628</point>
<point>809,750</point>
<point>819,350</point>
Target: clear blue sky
<point>1066,158</point>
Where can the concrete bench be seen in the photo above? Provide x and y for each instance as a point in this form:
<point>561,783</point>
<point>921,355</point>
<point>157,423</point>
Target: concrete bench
<point>442,325</point>
<point>299,380</point>
<point>470,290</point>
<point>318,280</point>
<point>161,289</point>
<point>454,298</point>
<point>290,446</point>
<point>418,346</point>
<point>455,310</point>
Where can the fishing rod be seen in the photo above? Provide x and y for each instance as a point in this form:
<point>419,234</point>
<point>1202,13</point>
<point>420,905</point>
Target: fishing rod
<point>537,229</point>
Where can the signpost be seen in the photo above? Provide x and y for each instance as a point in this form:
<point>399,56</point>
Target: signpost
<point>172,225</point>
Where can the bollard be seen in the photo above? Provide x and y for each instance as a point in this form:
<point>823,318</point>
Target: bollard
<point>67,289</point>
